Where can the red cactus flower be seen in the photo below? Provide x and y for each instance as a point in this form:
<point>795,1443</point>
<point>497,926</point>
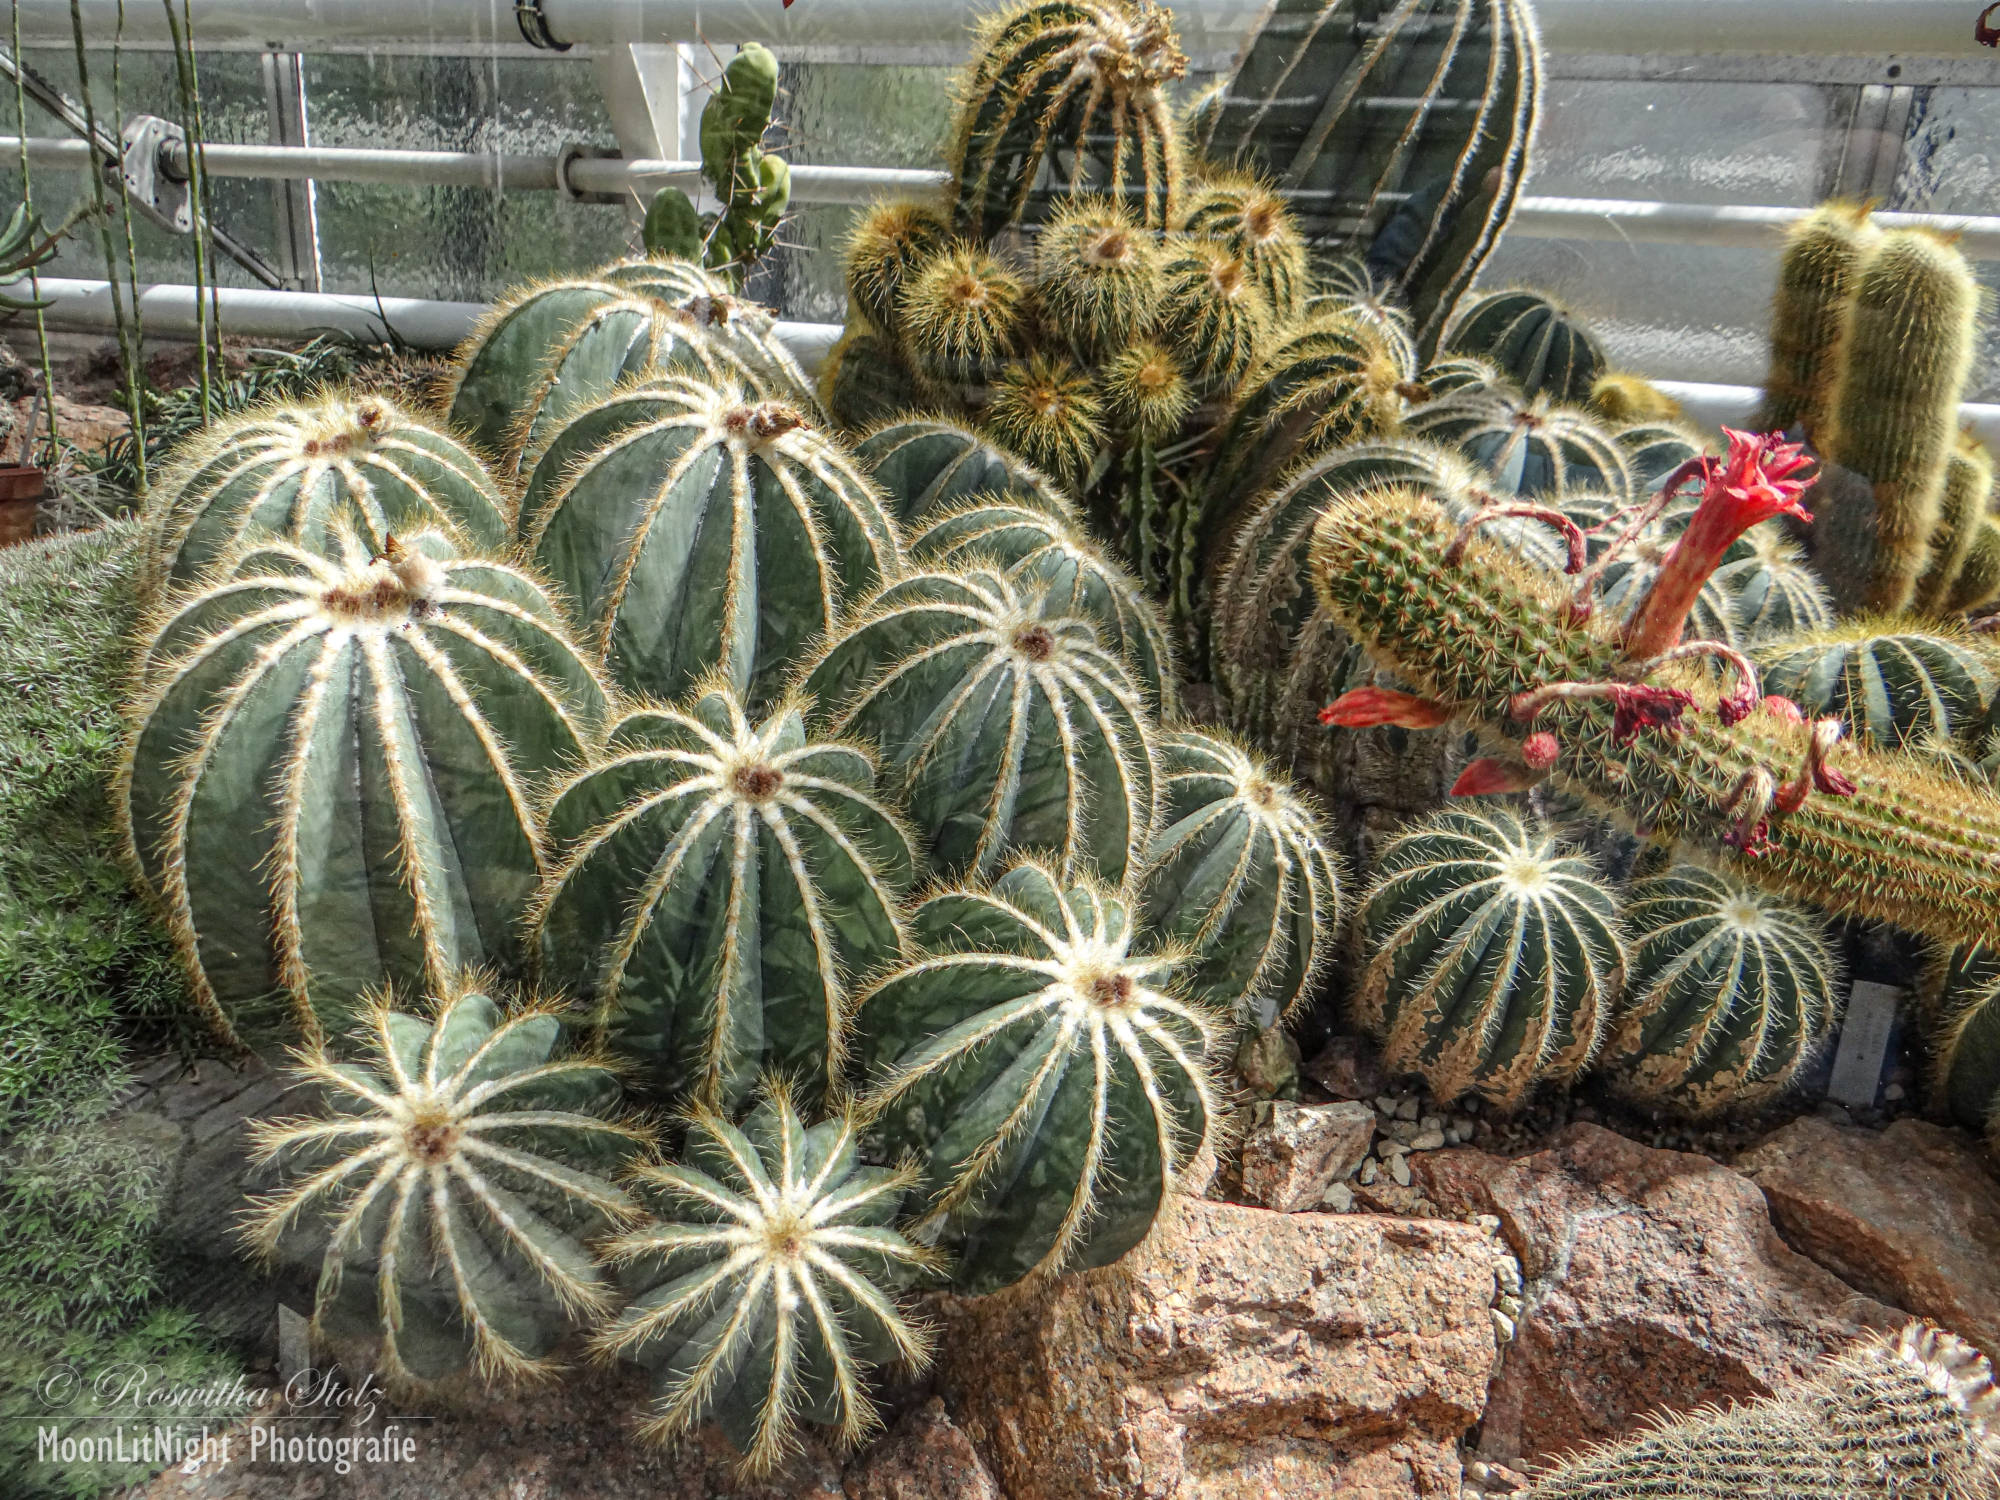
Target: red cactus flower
<point>1750,486</point>
<point>1640,705</point>
<point>1365,708</point>
<point>1540,750</point>
<point>1490,775</point>
<point>1815,775</point>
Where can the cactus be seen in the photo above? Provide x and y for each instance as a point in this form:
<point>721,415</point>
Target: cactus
<point>1097,278</point>
<point>302,471</point>
<point>720,882</point>
<point>1146,392</point>
<point>1626,400</point>
<point>1043,408</point>
<point>743,328</point>
<point>1771,590</point>
<point>1962,995</point>
<point>1039,1060</point>
<point>1893,687</point>
<point>1978,581</point>
<point>463,1169</point>
<point>1816,279</point>
<point>963,315</point>
<point>1493,956</point>
<point>926,467</point>
<point>1963,505</point>
<point>1008,725</point>
<point>885,249</point>
<point>1539,345</point>
<point>1461,372</point>
<point>1906,1416</point>
<point>1853,832</point>
<point>1729,991</point>
<point>768,1282</point>
<point>1406,127</point>
<point>1893,413</point>
<point>1347,286</point>
<point>752,187</point>
<point>864,380</point>
<point>1253,221</point>
<point>506,349</point>
<point>1239,873</point>
<point>1530,447</point>
<point>698,531</point>
<point>330,775</point>
<point>1076,87</point>
<point>1036,544</point>
<point>1655,451</point>
<point>1630,576</point>
<point>1211,312</point>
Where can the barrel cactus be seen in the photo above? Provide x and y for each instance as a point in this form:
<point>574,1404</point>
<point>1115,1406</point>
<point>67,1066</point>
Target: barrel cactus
<point>1008,726</point>
<point>1493,956</point>
<point>1097,277</point>
<point>1212,312</point>
<point>331,775</point>
<point>1892,686</point>
<point>1240,873</point>
<point>1038,1058</point>
<point>1045,408</point>
<point>885,248</point>
<point>697,530</point>
<point>300,471</point>
<point>1146,392</point>
<point>721,883</point>
<point>459,1177</point>
<point>768,1280</point>
<point>1730,990</point>
<point>1253,221</point>
<point>1772,590</point>
<point>1539,345</point>
<point>926,466</point>
<point>864,380</point>
<point>963,316</point>
<point>744,329</point>
<point>1530,446</point>
<point>1962,993</point>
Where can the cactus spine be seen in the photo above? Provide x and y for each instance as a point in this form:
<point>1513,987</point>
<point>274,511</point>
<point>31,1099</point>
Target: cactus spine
<point>697,530</point>
<point>926,467</point>
<point>1907,1416</point>
<point>1493,956</point>
<point>1816,279</point>
<point>1039,1060</point>
<point>1962,991</point>
<point>1044,409</point>
<point>1893,688</point>
<point>1540,346</point>
<point>301,472</point>
<point>1239,873</point>
<point>330,773</point>
<point>884,251</point>
<point>1254,223</point>
<point>1730,990</point>
<point>963,315</point>
<point>771,1274</point>
<point>1211,311</point>
<point>1097,278</point>
<point>1008,726</point>
<point>1147,394</point>
<point>463,1168</point>
<point>721,881</point>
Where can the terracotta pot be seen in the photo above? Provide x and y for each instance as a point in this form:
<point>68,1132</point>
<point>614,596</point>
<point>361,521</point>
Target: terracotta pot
<point>20,497</point>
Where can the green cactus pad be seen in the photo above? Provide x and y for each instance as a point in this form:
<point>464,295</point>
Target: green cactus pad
<point>1892,687</point>
<point>698,530</point>
<point>1009,726</point>
<point>1542,347</point>
<point>1730,990</point>
<point>1041,1063</point>
<point>927,466</point>
<point>1493,956</point>
<point>452,1192</point>
<point>332,770</point>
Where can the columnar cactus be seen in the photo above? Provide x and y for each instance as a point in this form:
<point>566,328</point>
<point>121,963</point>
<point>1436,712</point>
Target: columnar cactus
<point>462,1170</point>
<point>769,1281</point>
<point>721,882</point>
<point>302,471</point>
<point>1493,956</point>
<point>1962,991</point>
<point>752,188</point>
<point>1239,873</point>
<point>1624,399</point>
<point>1008,725</point>
<point>927,466</point>
<point>1529,446</point>
<point>1729,991</point>
<point>1906,1416</point>
<point>1816,278</point>
<point>331,774</point>
<point>1039,1060</point>
<point>885,248</point>
<point>1078,86</point>
<point>696,529</point>
<point>1978,581</point>
<point>1538,345</point>
<point>1891,687</point>
<point>1963,506</point>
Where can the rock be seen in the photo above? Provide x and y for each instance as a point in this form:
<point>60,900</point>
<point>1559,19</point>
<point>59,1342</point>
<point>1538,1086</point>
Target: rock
<point>1238,1352</point>
<point>1293,1151</point>
<point>90,428</point>
<point>1268,1063</point>
<point>1338,1199</point>
<point>1653,1280</point>
<point>1909,1215</point>
<point>1399,1168</point>
<point>1428,1140</point>
<point>925,1457</point>
<point>1348,1068</point>
<point>1410,1108</point>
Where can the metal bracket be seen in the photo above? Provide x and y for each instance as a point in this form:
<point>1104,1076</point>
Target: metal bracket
<point>577,151</point>
<point>535,26</point>
<point>154,164</point>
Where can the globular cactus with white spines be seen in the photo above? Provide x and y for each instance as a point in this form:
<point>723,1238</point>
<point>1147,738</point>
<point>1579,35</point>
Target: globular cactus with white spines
<point>1493,956</point>
<point>1240,873</point>
<point>1450,374</point>
<point>452,1191</point>
<point>1539,345</point>
<point>1253,220</point>
<point>927,466</point>
<point>1530,446</point>
<point>1045,408</point>
<point>1729,991</point>
<point>1038,1058</point>
<point>767,1282</point>
<point>301,471</point>
<point>742,327</point>
<point>1006,725</point>
<point>1078,87</point>
<point>963,316</point>
<point>720,883</point>
<point>1904,1416</point>
<point>1097,278</point>
<point>1961,995</point>
<point>1346,286</point>
<point>886,247</point>
<point>1816,277</point>
<point>1893,686</point>
<point>1978,581</point>
<point>1964,503</point>
<point>696,529</point>
<point>331,774</point>
<point>1212,311</point>
<point>1041,546</point>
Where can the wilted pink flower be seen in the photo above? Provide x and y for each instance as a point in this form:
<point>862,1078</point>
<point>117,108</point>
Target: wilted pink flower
<point>1540,750</point>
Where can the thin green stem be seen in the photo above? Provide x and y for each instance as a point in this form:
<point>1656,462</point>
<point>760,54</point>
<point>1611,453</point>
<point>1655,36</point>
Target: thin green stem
<point>28,202</point>
<point>183,77</point>
<point>198,177</point>
<point>135,395</point>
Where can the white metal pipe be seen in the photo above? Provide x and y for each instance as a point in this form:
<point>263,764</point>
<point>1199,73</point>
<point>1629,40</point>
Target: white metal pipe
<point>1731,224</point>
<point>1736,406</point>
<point>809,184</point>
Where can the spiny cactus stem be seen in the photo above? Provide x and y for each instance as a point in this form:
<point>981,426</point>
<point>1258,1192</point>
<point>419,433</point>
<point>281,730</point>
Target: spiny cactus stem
<point>1579,546</point>
<point>1635,705</point>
